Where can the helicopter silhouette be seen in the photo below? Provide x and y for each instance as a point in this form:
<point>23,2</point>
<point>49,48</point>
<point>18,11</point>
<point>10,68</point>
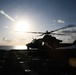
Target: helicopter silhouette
<point>53,48</point>
<point>48,39</point>
<point>39,43</point>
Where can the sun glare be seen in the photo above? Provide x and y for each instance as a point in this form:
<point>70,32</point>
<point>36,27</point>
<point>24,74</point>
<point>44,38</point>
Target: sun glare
<point>22,26</point>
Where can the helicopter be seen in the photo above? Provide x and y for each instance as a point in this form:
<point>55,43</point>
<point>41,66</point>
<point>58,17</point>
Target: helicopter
<point>39,43</point>
<point>53,48</point>
<point>52,41</point>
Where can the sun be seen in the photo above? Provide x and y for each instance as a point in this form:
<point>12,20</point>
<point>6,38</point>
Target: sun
<point>22,26</point>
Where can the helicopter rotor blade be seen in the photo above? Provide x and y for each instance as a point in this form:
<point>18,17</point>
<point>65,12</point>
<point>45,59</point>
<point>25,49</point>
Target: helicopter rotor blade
<point>55,34</point>
<point>68,31</point>
<point>52,32</point>
<point>61,34</point>
<point>69,26</point>
<point>36,32</point>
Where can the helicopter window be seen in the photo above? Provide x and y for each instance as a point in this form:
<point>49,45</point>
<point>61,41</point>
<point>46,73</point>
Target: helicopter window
<point>42,43</point>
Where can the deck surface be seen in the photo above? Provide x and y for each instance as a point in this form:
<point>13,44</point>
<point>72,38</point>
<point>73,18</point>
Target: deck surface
<point>32,62</point>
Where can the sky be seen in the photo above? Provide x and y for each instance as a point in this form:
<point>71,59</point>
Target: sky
<point>19,16</point>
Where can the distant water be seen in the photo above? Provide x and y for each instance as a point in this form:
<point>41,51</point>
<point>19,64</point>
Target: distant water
<point>24,47</point>
<point>13,47</point>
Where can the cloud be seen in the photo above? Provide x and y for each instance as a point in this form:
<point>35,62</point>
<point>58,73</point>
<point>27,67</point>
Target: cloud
<point>6,40</point>
<point>68,31</point>
<point>5,26</point>
<point>22,39</point>
<point>61,21</point>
